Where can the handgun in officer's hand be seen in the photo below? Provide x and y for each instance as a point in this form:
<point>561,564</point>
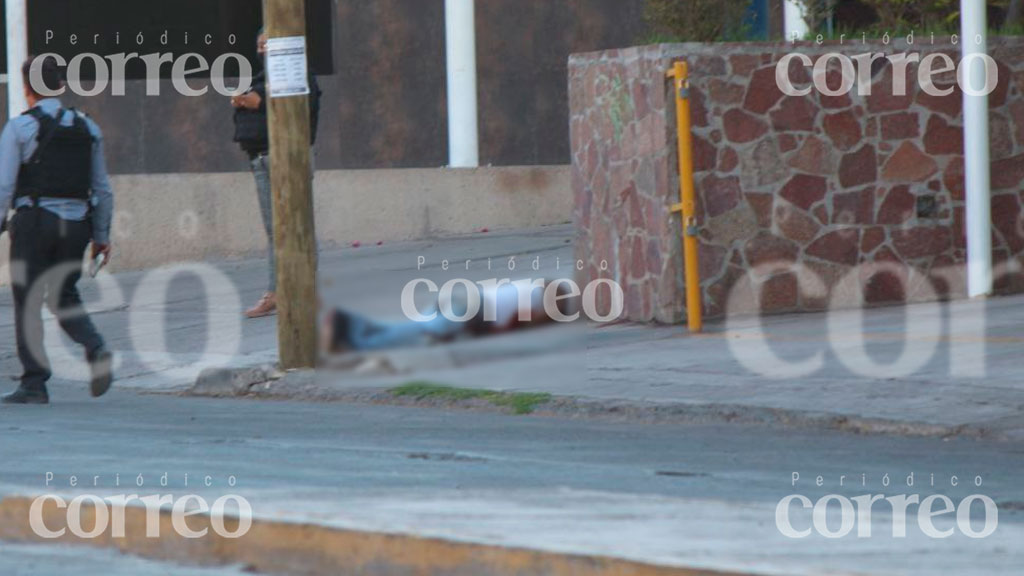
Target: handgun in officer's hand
<point>100,258</point>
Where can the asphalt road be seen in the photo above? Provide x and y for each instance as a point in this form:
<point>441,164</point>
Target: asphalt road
<point>390,467</point>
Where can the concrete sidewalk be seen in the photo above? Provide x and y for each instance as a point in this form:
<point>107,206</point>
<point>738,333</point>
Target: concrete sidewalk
<point>167,325</point>
<point>939,369</point>
<point>957,374</point>
<point>863,377</point>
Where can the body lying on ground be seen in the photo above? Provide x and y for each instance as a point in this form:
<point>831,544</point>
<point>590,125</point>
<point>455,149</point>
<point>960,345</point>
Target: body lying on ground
<point>502,309</point>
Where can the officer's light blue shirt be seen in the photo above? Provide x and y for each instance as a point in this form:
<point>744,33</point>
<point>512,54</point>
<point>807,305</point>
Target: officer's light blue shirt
<point>18,143</point>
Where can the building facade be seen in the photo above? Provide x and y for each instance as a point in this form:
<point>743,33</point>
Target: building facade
<point>383,77</point>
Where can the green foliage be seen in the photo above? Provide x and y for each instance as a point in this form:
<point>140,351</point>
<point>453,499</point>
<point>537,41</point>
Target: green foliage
<point>724,20</point>
<point>901,15</point>
<point>939,16</point>
<point>519,404</point>
<point>696,20</point>
<point>816,12</point>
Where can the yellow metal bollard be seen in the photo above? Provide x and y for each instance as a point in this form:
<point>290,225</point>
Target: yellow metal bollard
<point>688,198</point>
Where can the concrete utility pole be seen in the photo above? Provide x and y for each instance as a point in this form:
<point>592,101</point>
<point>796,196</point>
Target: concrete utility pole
<point>793,20</point>
<point>974,30</point>
<point>291,180</point>
<point>17,54</point>
<point>463,122</point>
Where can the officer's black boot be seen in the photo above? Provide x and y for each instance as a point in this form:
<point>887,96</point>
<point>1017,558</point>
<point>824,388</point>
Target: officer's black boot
<point>101,365</point>
<point>27,395</point>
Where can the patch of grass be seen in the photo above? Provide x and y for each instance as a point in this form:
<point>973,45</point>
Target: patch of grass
<point>517,403</point>
<point>520,403</point>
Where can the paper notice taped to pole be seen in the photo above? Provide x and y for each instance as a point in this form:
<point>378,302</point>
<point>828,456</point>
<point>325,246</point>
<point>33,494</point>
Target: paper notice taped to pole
<point>287,68</point>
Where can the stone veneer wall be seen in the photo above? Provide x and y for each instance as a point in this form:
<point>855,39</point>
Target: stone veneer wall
<point>820,184</point>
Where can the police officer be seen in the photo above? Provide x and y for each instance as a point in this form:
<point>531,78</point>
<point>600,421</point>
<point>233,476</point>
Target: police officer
<point>54,175</point>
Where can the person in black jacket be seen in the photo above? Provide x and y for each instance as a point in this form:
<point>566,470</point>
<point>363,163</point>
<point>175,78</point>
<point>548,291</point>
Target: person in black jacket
<point>252,135</point>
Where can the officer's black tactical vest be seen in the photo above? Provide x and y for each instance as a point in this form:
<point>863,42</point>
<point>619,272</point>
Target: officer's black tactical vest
<point>61,166</point>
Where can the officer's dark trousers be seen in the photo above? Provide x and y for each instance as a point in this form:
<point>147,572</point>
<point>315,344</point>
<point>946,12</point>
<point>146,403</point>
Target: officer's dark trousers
<point>46,265</point>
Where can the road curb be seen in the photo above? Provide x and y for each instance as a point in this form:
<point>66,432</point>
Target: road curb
<point>308,386</point>
<point>641,412</point>
<point>229,382</point>
<point>302,549</point>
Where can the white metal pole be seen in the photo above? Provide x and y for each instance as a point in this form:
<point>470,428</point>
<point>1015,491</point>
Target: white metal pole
<point>793,20</point>
<point>463,123</point>
<point>974,29</point>
<point>17,53</point>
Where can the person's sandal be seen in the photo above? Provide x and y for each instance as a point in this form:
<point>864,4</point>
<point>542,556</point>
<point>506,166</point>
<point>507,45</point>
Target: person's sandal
<point>267,306</point>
